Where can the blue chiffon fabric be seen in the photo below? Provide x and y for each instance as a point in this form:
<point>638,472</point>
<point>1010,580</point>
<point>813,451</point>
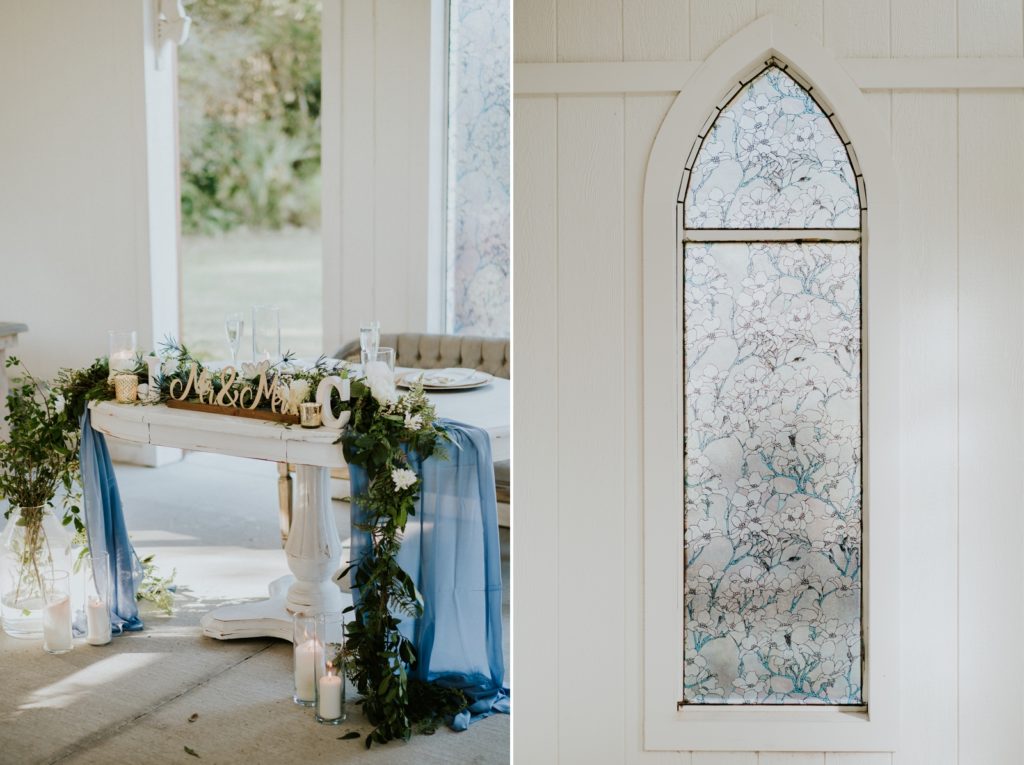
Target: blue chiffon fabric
<point>105,527</point>
<point>452,552</point>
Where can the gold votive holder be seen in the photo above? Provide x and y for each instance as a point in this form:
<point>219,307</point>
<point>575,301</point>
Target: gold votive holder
<point>309,414</point>
<point>126,388</point>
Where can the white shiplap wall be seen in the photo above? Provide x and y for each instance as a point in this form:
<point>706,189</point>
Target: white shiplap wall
<point>579,168</point>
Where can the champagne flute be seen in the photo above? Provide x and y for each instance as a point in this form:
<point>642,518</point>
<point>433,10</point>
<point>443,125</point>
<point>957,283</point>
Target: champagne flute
<point>234,326</point>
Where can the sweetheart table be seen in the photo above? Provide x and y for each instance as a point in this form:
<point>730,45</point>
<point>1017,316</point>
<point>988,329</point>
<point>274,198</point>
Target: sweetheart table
<point>313,548</point>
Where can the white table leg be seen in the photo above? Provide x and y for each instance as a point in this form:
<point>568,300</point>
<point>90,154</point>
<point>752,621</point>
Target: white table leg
<point>314,556</point>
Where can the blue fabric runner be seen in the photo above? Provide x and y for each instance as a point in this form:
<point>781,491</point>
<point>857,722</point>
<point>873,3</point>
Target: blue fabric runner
<point>452,552</point>
<point>105,527</point>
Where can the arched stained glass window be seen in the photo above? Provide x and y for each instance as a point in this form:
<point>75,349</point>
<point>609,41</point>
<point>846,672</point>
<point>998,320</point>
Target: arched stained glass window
<point>771,212</point>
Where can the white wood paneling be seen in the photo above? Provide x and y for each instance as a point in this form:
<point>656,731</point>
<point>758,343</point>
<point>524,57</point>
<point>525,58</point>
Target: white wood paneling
<point>656,30</point>
<point>724,758</point>
<point>881,103</point>
<point>857,28</point>
<point>925,128</point>
<point>590,30</point>
<point>536,527</point>
<point>923,27</point>
<point>791,758</point>
<point>714,21</point>
<point>590,424</point>
<point>534,30</point>
<point>990,27</point>
<point>858,758</point>
<point>991,480</point>
<point>806,15</point>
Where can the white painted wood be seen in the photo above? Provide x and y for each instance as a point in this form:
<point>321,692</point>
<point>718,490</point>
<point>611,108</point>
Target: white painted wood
<point>714,21</point>
<point>869,74</point>
<point>534,30</point>
<point>857,28</point>
<point>761,728</point>
<point>860,758</point>
<point>331,173</point>
<point>537,528</point>
<point>925,146</point>
<point>590,30</point>
<point>313,548</point>
<point>791,758</point>
<point>991,410</point>
<point>990,28</point>
<point>656,30</point>
<point>590,423</point>
<point>923,27</point>
<point>724,758</point>
<point>881,104</point>
<point>806,15</point>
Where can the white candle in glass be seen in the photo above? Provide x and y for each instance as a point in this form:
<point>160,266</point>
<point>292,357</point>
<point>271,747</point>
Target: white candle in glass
<point>57,624</point>
<point>329,704</point>
<point>305,681</point>
<point>97,616</point>
<point>121,360</point>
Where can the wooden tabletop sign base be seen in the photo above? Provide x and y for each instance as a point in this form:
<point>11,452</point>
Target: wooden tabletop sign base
<point>235,411</point>
<point>229,400</point>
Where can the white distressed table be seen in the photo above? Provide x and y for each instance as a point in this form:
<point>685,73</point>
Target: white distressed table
<point>313,548</point>
<point>9,332</point>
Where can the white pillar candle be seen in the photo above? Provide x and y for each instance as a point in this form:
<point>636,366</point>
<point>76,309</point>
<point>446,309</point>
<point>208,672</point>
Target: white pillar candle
<point>97,616</point>
<point>329,705</point>
<point>305,687</point>
<point>57,624</point>
<point>120,360</point>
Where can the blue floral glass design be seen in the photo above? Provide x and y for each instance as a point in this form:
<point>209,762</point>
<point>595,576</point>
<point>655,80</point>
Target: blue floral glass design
<point>772,160</point>
<point>478,167</point>
<point>772,353</point>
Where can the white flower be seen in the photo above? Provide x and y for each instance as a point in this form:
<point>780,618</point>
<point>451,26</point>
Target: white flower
<point>255,370</point>
<point>403,478</point>
<point>298,390</point>
<point>169,366</point>
<point>413,421</point>
<point>381,382</point>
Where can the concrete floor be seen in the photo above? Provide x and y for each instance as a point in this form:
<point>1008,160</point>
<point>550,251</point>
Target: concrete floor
<point>214,520</point>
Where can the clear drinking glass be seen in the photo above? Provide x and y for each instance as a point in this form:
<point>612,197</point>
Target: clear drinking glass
<point>381,356</point>
<point>369,339</point>
<point>266,333</point>
<point>57,613</point>
<point>304,659</point>
<point>234,327</point>
<point>121,351</point>
<point>330,668</point>
<point>99,594</point>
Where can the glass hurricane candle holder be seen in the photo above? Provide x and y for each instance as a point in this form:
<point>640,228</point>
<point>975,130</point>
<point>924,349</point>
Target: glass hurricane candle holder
<point>99,594</point>
<point>120,351</point>
<point>304,659</point>
<point>266,333</point>
<point>57,613</point>
<point>329,652</point>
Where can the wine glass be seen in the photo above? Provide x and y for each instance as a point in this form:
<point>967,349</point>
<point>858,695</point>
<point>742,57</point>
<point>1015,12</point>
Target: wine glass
<point>234,326</point>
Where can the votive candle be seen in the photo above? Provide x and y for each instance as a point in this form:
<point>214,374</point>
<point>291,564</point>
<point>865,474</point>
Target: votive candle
<point>97,617</point>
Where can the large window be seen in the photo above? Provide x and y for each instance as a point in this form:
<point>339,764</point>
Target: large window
<point>772,404</point>
<point>478,168</point>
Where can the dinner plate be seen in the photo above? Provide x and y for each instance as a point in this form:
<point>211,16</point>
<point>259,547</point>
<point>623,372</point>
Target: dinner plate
<point>444,379</point>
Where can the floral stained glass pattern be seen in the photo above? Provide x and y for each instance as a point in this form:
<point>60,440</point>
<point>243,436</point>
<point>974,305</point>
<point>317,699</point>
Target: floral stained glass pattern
<point>772,160</point>
<point>478,167</point>
<point>773,473</point>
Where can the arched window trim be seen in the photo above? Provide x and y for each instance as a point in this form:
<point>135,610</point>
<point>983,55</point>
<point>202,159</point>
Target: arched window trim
<point>667,727</point>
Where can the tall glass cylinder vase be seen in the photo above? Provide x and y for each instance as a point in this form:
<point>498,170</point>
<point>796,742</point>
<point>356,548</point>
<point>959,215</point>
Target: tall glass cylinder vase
<point>121,348</point>
<point>57,613</point>
<point>34,545</point>
<point>266,333</point>
<point>99,594</point>
<point>330,668</point>
<point>304,659</point>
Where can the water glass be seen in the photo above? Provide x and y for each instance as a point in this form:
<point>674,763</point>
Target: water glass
<point>99,594</point>
<point>234,327</point>
<point>57,613</point>
<point>369,339</point>
<point>381,356</point>
<point>303,659</point>
<point>266,333</point>
<point>330,668</point>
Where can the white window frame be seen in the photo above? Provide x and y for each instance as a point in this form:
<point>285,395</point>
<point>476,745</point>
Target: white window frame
<point>668,726</point>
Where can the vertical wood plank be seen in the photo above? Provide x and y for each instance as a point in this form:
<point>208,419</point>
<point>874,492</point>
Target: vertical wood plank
<point>805,15</point>
<point>535,31</point>
<point>535,587</point>
<point>656,30</point>
<point>923,28</point>
<point>991,484</point>
<point>724,758</point>
<point>990,28</point>
<point>881,104</point>
<point>858,758</point>
<point>644,115</point>
<point>791,758</point>
<point>857,28</point>
<point>925,148</point>
<point>712,22</point>
<point>590,30</point>
<point>591,656</point>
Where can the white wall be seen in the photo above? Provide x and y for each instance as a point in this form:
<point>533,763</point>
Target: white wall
<point>76,189</point>
<point>580,159</point>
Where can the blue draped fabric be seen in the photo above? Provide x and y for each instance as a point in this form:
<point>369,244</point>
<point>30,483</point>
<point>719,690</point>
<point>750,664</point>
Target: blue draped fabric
<point>452,552</point>
<point>105,527</point>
